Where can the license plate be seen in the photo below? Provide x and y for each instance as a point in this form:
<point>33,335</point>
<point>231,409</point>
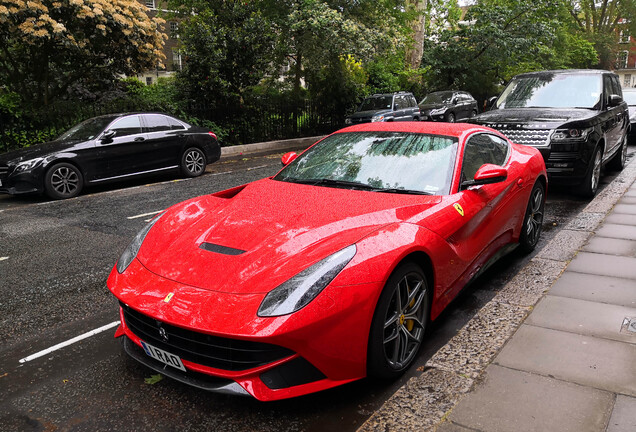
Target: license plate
<point>163,356</point>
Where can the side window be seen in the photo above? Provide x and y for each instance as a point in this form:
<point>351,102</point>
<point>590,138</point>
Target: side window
<point>156,122</point>
<point>126,126</point>
<point>413,101</point>
<point>398,103</point>
<point>617,86</point>
<point>481,149</point>
<point>174,124</point>
<point>607,88</point>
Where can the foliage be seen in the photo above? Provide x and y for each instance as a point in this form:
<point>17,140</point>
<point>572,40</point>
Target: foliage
<point>46,46</point>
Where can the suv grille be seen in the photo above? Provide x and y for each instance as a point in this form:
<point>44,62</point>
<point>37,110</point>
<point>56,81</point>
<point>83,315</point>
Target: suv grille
<point>203,349</point>
<point>520,135</point>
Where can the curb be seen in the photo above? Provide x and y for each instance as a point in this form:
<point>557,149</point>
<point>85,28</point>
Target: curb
<point>426,400</point>
<point>280,145</point>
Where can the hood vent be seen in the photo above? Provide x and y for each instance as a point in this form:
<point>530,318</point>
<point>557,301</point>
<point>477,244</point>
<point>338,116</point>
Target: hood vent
<point>223,250</point>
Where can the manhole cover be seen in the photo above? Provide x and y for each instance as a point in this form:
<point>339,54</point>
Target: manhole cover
<point>629,326</point>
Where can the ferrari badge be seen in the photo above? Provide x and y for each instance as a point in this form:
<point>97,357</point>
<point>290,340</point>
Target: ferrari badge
<point>459,209</point>
<point>168,298</point>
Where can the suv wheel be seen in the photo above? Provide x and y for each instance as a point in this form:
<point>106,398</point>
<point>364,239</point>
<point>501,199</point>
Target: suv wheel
<point>590,184</point>
<point>450,118</point>
<point>618,161</point>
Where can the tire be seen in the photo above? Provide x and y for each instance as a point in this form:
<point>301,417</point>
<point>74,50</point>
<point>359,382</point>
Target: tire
<point>473,113</point>
<point>399,325</point>
<point>62,181</point>
<point>193,162</point>
<point>590,185</point>
<point>620,158</point>
<point>533,219</point>
<point>450,118</point>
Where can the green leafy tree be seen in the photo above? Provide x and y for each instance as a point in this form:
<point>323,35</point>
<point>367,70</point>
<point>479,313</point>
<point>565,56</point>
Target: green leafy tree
<point>48,45</point>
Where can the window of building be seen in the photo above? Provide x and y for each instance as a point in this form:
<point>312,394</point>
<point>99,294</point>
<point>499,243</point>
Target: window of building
<point>148,80</point>
<point>150,4</point>
<point>623,37</point>
<point>627,80</point>
<point>174,29</point>
<point>621,59</point>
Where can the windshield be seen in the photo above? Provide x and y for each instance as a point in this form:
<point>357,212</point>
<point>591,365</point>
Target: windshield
<point>437,98</point>
<point>549,90</point>
<point>630,97</point>
<point>87,130</point>
<point>382,161</point>
<point>376,103</point>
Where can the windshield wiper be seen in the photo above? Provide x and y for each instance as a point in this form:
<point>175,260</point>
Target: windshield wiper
<point>354,185</point>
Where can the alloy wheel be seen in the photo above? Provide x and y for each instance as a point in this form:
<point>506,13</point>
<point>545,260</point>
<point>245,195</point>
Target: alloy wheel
<point>596,173</point>
<point>65,181</point>
<point>194,162</point>
<point>535,217</point>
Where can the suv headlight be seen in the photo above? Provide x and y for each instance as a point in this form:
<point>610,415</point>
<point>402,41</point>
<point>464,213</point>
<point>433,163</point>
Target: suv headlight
<point>298,291</point>
<point>377,118</point>
<point>570,134</point>
<point>28,165</point>
<point>438,111</point>
<point>131,251</point>
<point>348,121</point>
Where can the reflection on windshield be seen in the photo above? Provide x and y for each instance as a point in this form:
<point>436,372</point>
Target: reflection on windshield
<point>381,160</point>
<point>376,103</point>
<point>549,90</point>
<point>437,98</point>
<point>87,130</point>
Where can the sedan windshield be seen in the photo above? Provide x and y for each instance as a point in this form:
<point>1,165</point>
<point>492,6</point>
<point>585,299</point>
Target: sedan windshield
<point>437,98</point>
<point>550,90</point>
<point>395,162</point>
<point>376,103</point>
<point>87,130</point>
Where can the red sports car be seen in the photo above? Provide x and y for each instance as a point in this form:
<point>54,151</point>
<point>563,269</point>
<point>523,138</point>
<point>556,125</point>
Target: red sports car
<point>330,270</point>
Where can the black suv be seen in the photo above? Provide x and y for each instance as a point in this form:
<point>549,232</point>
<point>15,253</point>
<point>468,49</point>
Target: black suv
<point>576,118</point>
<point>448,106</point>
<point>400,106</point>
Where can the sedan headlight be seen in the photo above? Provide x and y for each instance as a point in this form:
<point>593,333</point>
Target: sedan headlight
<point>131,251</point>
<point>570,134</point>
<point>377,118</point>
<point>28,165</point>
<point>298,291</point>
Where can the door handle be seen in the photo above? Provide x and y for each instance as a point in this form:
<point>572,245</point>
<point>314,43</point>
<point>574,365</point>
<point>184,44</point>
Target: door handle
<point>140,139</point>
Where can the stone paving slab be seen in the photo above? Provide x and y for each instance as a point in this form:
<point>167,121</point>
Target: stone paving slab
<point>510,400</point>
<point>627,200</point>
<point>625,208</point>
<point>599,363</point>
<point>621,219</point>
<point>610,230</point>
<point>583,317</point>
<point>447,426</point>
<point>611,246</point>
<point>603,289</point>
<point>604,265</point>
<point>624,416</point>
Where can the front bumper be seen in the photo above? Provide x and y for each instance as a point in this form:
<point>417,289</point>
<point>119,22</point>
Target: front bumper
<point>20,183</point>
<point>325,343</point>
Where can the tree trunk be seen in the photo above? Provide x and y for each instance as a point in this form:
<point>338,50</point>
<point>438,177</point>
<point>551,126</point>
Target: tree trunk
<point>414,53</point>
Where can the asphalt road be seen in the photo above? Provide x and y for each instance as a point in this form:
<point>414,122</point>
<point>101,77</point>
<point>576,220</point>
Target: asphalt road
<point>55,257</point>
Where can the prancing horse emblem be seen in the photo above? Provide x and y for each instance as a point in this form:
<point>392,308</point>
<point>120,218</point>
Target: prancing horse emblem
<point>163,334</point>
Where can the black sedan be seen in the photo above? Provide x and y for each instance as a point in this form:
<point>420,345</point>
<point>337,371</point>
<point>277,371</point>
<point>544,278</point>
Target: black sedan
<point>108,148</point>
<point>629,94</point>
<point>449,106</point>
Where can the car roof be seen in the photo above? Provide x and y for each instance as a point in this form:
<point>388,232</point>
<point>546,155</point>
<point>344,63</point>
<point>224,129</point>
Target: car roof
<point>567,72</point>
<point>434,128</point>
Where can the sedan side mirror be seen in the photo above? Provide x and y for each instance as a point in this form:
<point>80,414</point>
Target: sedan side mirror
<point>288,158</point>
<point>487,174</point>
<point>108,135</point>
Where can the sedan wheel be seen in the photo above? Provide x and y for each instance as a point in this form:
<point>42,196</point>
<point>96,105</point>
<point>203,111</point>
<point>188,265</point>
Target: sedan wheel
<point>63,181</point>
<point>399,322</point>
<point>193,162</point>
<point>533,221</point>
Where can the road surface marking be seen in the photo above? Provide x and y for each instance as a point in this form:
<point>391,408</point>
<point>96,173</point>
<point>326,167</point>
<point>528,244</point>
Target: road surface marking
<point>144,215</point>
<point>4,258</point>
<point>69,342</point>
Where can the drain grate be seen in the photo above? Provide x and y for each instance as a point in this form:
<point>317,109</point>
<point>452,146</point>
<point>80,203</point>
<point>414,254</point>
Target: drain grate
<point>629,326</point>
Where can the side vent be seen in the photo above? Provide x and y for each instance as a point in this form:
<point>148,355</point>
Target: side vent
<point>229,193</point>
<point>223,250</point>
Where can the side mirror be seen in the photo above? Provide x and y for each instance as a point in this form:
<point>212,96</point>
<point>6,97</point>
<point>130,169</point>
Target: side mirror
<point>454,101</point>
<point>288,158</point>
<point>108,135</point>
<point>615,100</point>
<point>487,174</point>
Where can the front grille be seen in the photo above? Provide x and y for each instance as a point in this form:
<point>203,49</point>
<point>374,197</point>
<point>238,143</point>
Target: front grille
<point>563,156</point>
<point>4,170</point>
<point>521,135</point>
<point>213,351</point>
<point>361,120</point>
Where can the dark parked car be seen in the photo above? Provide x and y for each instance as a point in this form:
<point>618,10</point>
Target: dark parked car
<point>576,118</point>
<point>448,106</point>
<point>401,106</point>
<point>630,97</point>
<point>108,148</point>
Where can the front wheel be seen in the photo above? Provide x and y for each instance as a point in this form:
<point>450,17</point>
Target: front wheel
<point>620,158</point>
<point>63,180</point>
<point>533,220</point>
<point>450,118</point>
<point>399,322</point>
<point>193,162</point>
<point>590,185</point>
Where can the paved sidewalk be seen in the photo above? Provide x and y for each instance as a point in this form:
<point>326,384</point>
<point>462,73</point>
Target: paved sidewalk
<point>571,366</point>
<point>553,350</point>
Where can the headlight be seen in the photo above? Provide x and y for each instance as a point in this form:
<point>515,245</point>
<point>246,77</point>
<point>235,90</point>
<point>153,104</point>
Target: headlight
<point>131,251</point>
<point>377,119</point>
<point>570,134</point>
<point>298,291</point>
<point>438,111</point>
<point>28,165</point>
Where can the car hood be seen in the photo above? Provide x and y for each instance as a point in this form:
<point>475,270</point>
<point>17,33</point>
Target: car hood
<point>548,116</point>
<point>369,113</point>
<point>266,233</point>
<point>38,150</point>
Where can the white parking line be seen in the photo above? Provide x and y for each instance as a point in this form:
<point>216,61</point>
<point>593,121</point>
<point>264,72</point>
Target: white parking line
<point>144,215</point>
<point>4,258</point>
<point>69,342</point>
